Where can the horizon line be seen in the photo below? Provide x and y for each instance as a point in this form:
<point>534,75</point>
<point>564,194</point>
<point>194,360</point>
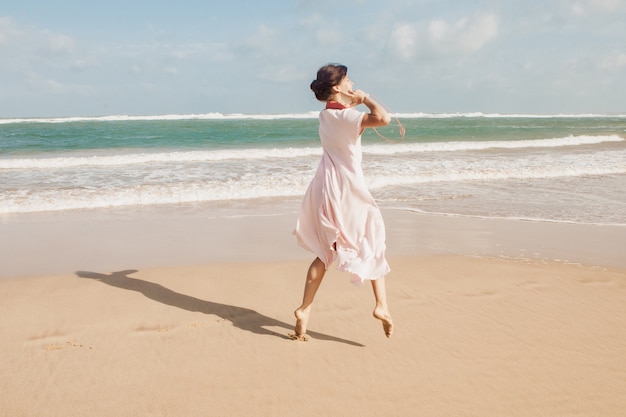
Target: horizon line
<point>300,115</point>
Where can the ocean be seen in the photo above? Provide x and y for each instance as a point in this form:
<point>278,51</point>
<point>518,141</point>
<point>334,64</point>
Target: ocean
<point>560,168</point>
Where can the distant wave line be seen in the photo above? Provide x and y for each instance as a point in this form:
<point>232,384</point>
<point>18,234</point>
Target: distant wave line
<point>123,118</point>
<point>302,115</point>
<point>420,115</point>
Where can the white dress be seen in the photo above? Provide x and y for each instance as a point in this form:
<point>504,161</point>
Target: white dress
<point>339,219</point>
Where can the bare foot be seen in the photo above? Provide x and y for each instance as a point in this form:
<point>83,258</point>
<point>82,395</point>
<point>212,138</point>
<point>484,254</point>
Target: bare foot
<point>385,318</point>
<point>302,318</point>
<point>298,338</point>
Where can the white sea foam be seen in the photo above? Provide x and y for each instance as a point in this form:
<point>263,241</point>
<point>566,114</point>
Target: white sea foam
<point>459,173</point>
<point>144,158</point>
<point>77,198</point>
<point>262,153</point>
<point>83,188</point>
<point>467,146</point>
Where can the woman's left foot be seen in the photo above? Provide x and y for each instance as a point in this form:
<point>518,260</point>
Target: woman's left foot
<point>302,318</point>
<point>298,337</point>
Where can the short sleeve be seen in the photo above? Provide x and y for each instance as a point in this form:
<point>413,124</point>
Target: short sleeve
<point>345,123</point>
<point>354,117</point>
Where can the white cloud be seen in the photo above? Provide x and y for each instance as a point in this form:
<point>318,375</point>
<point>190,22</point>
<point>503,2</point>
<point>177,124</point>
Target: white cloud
<point>440,37</point>
<point>24,47</point>
<point>613,62</point>
<point>329,36</point>
<point>280,74</point>
<point>474,34</point>
<point>215,51</point>
<point>438,30</point>
<point>187,51</point>
<point>48,85</point>
<point>404,40</point>
<point>578,8</point>
<point>608,5</point>
<point>8,30</point>
<point>585,7</point>
<point>58,43</point>
<point>263,40</point>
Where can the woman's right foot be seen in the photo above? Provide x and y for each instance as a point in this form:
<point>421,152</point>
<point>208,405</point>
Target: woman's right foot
<point>385,318</point>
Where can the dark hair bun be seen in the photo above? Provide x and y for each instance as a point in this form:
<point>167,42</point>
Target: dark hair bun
<point>328,76</point>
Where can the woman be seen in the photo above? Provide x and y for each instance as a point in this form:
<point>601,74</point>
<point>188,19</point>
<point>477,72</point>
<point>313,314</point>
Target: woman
<point>339,220</point>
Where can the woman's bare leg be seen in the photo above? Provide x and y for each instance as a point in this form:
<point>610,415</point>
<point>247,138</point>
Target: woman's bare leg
<point>381,311</point>
<point>314,277</point>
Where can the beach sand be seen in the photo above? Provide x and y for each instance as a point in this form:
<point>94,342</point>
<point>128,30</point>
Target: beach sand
<point>157,312</point>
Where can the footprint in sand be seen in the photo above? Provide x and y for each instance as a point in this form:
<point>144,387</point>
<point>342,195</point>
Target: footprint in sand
<point>59,346</point>
<point>482,293</point>
<point>164,329</point>
<point>158,329</point>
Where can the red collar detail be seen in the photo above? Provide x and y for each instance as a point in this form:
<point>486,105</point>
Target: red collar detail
<point>335,105</point>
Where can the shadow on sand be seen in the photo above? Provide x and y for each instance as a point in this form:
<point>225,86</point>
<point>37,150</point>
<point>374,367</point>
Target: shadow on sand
<point>243,318</point>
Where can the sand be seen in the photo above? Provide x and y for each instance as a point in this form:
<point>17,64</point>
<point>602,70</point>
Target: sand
<point>161,313</point>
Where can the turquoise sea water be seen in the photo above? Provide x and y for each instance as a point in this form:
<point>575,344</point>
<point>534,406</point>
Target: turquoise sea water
<point>545,168</point>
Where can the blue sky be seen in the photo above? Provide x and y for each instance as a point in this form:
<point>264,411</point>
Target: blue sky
<point>76,58</point>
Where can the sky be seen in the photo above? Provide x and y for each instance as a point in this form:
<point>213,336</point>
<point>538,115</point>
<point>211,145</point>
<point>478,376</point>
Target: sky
<point>78,58</point>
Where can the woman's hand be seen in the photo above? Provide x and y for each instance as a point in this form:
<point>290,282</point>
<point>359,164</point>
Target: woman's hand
<point>376,117</point>
<point>356,97</point>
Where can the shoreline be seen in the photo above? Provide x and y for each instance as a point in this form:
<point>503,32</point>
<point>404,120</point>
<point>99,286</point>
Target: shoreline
<point>63,242</point>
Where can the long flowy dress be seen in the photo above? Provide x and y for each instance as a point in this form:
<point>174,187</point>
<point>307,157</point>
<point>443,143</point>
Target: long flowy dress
<point>339,219</point>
